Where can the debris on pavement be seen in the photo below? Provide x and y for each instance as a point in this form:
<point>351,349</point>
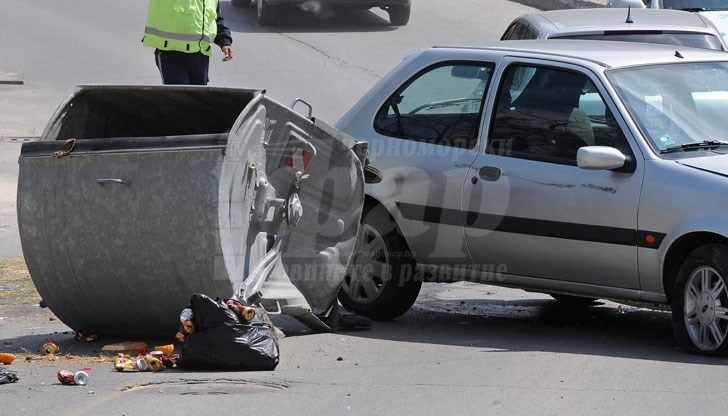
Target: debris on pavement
<point>49,348</point>
<point>164,349</point>
<point>6,357</point>
<point>154,362</point>
<point>67,377</point>
<point>129,346</point>
<point>81,336</point>
<point>7,376</point>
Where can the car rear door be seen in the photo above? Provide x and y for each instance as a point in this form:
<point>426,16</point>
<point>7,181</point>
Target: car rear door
<point>530,212</point>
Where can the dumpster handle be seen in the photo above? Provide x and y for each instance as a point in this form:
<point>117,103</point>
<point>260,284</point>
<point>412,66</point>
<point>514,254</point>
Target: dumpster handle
<point>102,181</point>
<point>298,100</point>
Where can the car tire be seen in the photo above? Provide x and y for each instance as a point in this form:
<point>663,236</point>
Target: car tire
<point>700,301</point>
<point>573,300</point>
<point>240,3</point>
<point>267,14</point>
<point>381,283</point>
<point>399,15</point>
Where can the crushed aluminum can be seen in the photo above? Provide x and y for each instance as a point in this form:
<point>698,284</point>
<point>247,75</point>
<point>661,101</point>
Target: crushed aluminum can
<point>154,364</point>
<point>141,364</point>
<point>79,378</point>
<point>186,314</point>
<point>244,312</point>
<point>49,348</point>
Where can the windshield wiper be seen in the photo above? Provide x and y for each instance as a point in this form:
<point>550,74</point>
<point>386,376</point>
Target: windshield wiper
<point>704,145</point>
<point>695,9</point>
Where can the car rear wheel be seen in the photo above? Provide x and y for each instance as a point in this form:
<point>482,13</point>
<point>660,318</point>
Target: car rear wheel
<point>267,14</point>
<point>399,15</point>
<point>700,301</point>
<point>381,283</point>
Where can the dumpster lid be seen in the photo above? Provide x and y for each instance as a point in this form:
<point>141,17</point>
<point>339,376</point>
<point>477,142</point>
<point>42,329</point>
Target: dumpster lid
<point>296,192</point>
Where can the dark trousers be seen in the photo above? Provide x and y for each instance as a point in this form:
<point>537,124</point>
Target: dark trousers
<point>180,68</point>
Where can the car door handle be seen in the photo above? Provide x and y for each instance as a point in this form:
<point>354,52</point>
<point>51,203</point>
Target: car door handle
<point>488,173</point>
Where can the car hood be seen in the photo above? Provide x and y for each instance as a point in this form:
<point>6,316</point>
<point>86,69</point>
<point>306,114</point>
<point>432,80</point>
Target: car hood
<point>717,164</point>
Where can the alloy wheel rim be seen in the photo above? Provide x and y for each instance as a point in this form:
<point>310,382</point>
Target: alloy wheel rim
<point>706,308</point>
<point>370,267</point>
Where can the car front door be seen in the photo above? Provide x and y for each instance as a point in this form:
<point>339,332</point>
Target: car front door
<point>427,137</point>
<point>530,213</point>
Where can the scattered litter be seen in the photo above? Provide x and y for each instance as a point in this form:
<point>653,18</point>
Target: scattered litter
<point>164,349</point>
<point>49,348</point>
<point>6,357</point>
<point>224,339</point>
<point>131,346</point>
<point>7,376</point>
<point>79,378</point>
<point>154,361</point>
<point>246,313</point>
<point>82,336</point>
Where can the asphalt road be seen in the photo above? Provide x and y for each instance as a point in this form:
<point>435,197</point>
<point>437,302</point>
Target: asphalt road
<point>462,349</point>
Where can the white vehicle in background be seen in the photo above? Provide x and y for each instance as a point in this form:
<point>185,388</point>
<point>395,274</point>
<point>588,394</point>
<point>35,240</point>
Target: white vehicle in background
<point>669,27</point>
<point>714,10</point>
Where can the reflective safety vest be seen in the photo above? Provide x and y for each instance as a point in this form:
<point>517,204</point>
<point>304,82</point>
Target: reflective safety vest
<point>181,25</point>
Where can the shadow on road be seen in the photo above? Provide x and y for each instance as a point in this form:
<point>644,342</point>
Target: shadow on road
<point>543,325</point>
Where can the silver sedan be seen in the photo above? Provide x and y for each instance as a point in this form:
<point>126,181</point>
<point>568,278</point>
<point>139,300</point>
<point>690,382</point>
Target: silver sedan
<point>589,169</point>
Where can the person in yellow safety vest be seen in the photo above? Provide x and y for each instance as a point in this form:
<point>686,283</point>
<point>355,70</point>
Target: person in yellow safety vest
<point>182,33</point>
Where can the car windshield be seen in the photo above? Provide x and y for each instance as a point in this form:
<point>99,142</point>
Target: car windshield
<point>695,5</point>
<point>695,40</point>
<point>677,106</point>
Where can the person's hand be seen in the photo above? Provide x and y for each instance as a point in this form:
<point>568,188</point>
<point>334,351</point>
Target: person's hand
<point>227,52</point>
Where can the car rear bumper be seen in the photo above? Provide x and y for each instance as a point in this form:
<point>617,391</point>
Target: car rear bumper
<point>364,4</point>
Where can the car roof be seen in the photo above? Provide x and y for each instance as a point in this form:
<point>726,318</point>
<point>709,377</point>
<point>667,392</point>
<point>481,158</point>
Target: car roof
<point>610,54</point>
<point>600,19</point>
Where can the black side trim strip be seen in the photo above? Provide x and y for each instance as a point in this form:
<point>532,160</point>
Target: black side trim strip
<point>530,226</point>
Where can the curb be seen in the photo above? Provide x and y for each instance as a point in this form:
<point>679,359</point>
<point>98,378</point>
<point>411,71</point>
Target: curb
<point>560,4</point>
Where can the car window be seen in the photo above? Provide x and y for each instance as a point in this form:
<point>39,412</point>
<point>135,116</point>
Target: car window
<point>440,105</point>
<point>676,104</point>
<point>511,31</point>
<point>518,30</point>
<point>695,4</point>
<point>547,114</point>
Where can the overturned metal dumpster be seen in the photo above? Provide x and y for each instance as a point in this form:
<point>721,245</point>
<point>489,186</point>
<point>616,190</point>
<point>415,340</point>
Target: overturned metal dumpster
<point>136,197</point>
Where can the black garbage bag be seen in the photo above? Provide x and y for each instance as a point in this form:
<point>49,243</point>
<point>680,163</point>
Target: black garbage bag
<point>224,341</point>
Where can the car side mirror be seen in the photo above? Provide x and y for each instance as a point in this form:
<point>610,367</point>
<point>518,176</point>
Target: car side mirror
<point>600,158</point>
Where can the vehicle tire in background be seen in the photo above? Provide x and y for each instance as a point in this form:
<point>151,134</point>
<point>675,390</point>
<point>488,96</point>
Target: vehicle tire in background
<point>240,3</point>
<point>381,283</point>
<point>267,14</point>
<point>399,15</point>
<point>700,300</point>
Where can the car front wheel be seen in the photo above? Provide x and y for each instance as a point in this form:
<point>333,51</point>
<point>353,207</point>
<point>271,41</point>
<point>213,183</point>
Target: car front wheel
<point>700,301</point>
<point>399,15</point>
<point>381,283</point>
